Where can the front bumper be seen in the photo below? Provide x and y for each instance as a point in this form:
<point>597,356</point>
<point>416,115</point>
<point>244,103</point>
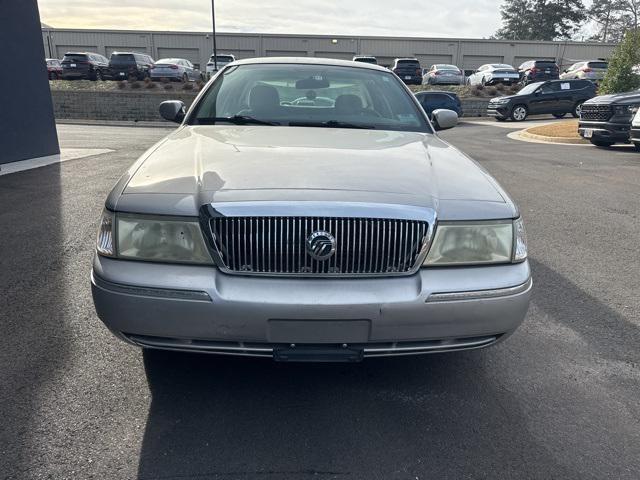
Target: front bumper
<point>635,134</point>
<point>198,308</point>
<point>605,131</point>
<point>498,110</point>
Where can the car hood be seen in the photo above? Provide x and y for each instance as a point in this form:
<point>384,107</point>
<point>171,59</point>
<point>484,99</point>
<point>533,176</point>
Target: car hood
<point>198,165</point>
<point>627,97</point>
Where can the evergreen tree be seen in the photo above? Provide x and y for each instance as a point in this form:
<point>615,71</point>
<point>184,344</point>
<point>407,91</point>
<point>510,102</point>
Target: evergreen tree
<point>540,19</point>
<point>620,76</point>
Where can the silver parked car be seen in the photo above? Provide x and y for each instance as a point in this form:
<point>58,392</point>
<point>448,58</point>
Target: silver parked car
<point>493,73</point>
<point>593,70</point>
<point>312,233</point>
<point>442,74</point>
<point>176,69</point>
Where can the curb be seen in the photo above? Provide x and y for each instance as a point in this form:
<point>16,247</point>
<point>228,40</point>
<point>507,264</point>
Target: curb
<point>546,139</point>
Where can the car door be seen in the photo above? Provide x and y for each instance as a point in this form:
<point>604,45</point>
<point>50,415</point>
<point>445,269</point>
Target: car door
<point>566,92</point>
<point>543,100</point>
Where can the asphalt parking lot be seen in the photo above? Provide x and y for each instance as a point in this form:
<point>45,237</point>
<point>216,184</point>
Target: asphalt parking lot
<point>558,400</point>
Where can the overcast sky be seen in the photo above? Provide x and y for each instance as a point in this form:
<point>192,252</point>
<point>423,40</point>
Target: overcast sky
<point>437,18</point>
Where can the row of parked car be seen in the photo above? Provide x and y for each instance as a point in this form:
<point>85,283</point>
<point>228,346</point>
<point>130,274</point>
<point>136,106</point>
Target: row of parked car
<point>125,65</point>
<point>411,72</point>
<point>604,119</point>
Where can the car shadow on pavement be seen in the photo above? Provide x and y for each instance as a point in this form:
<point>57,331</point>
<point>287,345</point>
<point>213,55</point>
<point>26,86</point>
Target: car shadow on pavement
<point>222,417</point>
<point>33,333</point>
<point>595,321</point>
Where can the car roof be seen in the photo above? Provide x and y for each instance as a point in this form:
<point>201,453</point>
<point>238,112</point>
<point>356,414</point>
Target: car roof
<point>414,59</point>
<point>128,53</point>
<point>446,92</point>
<point>308,61</point>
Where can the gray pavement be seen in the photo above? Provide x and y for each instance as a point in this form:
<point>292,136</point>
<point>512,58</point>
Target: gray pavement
<point>559,399</point>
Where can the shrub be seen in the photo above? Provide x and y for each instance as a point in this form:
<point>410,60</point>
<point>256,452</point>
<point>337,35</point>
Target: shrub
<point>187,86</point>
<point>148,83</point>
<point>135,85</point>
<point>501,87</point>
<point>168,86</point>
<point>122,84</point>
<point>491,91</point>
<point>620,76</point>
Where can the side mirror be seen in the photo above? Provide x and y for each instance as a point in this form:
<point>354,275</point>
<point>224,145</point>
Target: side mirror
<point>173,110</point>
<point>444,118</point>
<point>537,92</point>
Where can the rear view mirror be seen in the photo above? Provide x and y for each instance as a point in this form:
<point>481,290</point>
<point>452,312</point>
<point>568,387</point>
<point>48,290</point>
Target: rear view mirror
<point>444,118</point>
<point>173,110</point>
<point>312,83</point>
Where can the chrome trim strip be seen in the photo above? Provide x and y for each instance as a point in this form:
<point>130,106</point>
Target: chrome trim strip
<point>172,294</point>
<point>441,346</point>
<point>391,211</point>
<point>393,349</point>
<point>480,294</point>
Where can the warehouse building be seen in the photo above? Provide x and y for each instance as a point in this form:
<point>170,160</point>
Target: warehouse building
<point>197,47</point>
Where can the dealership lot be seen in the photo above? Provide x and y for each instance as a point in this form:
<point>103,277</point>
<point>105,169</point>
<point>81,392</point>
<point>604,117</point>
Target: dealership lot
<point>557,400</point>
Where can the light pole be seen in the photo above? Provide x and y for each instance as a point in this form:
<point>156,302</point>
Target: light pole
<point>215,50</point>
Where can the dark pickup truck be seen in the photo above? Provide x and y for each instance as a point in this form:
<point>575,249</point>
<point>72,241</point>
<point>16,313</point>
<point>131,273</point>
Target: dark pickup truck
<point>606,119</point>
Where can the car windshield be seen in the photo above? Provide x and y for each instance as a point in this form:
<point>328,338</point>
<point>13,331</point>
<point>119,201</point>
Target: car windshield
<point>366,60</point>
<point>598,64</point>
<point>310,95</point>
<point>447,67</point>
<point>532,87</point>
<point>221,58</point>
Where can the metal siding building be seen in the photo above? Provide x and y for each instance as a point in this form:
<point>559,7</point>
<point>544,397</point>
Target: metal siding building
<point>196,46</point>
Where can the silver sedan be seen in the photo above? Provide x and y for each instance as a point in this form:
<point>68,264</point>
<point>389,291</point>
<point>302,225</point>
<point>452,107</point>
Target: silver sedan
<point>176,69</point>
<point>443,74</point>
<point>309,233</point>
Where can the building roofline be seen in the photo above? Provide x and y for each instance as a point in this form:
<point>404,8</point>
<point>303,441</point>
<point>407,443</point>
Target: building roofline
<point>328,36</point>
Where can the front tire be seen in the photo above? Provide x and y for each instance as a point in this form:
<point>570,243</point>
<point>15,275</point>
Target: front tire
<point>577,110</point>
<point>99,75</point>
<point>636,145</point>
<point>519,113</point>
<point>185,78</point>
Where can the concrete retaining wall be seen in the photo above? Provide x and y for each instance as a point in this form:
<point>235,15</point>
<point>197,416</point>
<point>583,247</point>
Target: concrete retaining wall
<point>142,106</point>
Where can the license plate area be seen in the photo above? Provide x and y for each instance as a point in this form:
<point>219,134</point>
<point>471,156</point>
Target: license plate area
<point>588,133</point>
<point>318,353</point>
<point>318,332</point>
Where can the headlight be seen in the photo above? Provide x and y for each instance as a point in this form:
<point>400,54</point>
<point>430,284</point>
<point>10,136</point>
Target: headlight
<point>152,238</point>
<point>469,243</point>
<point>625,109</point>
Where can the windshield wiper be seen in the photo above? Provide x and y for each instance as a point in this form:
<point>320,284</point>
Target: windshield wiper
<point>332,124</point>
<point>236,120</point>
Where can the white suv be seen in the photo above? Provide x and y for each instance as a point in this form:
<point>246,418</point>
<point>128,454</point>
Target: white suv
<point>223,59</point>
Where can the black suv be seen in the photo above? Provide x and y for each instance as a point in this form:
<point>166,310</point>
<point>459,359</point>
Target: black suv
<point>557,97</point>
<point>606,119</point>
<point>409,70</point>
<point>130,64</point>
<point>84,65</point>
<point>538,71</point>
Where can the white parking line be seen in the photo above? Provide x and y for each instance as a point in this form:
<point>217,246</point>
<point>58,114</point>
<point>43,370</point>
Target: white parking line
<point>64,155</point>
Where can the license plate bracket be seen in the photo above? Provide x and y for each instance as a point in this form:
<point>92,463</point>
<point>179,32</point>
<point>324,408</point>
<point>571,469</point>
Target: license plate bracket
<point>318,353</point>
<point>588,133</point>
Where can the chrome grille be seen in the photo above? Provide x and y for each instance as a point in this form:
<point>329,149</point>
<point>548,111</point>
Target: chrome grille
<point>598,113</point>
<point>278,245</point>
